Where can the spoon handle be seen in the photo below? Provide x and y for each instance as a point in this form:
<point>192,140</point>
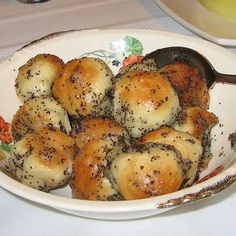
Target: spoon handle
<point>224,78</point>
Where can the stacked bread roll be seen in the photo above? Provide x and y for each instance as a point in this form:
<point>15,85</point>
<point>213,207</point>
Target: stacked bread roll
<point>136,135</point>
<point>43,151</point>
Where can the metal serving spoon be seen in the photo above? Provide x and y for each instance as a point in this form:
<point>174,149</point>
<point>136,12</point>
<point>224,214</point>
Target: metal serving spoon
<point>165,56</point>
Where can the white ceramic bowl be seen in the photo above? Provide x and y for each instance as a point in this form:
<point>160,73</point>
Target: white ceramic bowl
<point>112,46</point>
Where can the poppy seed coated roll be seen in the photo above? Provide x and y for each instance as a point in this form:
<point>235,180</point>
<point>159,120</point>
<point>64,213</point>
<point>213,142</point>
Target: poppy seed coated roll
<point>143,101</point>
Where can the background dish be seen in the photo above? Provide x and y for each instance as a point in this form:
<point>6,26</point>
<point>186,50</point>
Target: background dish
<point>112,46</point>
<point>195,17</point>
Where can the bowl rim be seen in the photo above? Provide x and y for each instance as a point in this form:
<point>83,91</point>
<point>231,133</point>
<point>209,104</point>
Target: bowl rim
<point>195,192</point>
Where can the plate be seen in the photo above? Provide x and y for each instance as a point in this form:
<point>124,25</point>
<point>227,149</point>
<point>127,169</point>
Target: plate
<point>112,46</point>
<point>203,22</point>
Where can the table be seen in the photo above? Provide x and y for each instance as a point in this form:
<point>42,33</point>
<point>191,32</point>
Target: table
<point>22,23</point>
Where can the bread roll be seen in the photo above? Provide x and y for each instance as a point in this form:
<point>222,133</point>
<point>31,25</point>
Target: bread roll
<point>37,112</point>
<point>89,179</point>
<point>145,65</point>
<point>189,84</point>
<point>154,171</point>
<point>43,158</point>
<point>196,121</point>
<point>83,87</point>
<point>96,128</point>
<point>143,101</point>
<point>189,147</point>
<point>36,77</point>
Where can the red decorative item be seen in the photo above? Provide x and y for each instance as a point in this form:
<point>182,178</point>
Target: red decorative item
<point>131,59</point>
<point>4,131</point>
<point>215,172</point>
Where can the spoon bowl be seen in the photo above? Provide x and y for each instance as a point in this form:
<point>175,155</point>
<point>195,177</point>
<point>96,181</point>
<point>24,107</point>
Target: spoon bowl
<point>168,55</point>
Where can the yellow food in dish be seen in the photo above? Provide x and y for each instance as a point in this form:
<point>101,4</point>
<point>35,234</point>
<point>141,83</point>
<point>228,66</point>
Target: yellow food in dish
<point>226,8</point>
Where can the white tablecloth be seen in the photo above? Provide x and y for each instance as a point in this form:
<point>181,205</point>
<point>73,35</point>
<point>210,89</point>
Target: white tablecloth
<point>22,23</point>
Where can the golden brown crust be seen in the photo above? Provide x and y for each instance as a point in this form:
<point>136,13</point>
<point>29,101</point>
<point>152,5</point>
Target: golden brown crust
<point>195,121</point>
<point>83,86</point>
<point>189,147</point>
<point>89,180</point>
<point>96,128</point>
<point>152,172</point>
<point>190,86</point>
<point>144,101</point>
<point>36,77</point>
<point>37,112</point>
<point>43,158</point>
